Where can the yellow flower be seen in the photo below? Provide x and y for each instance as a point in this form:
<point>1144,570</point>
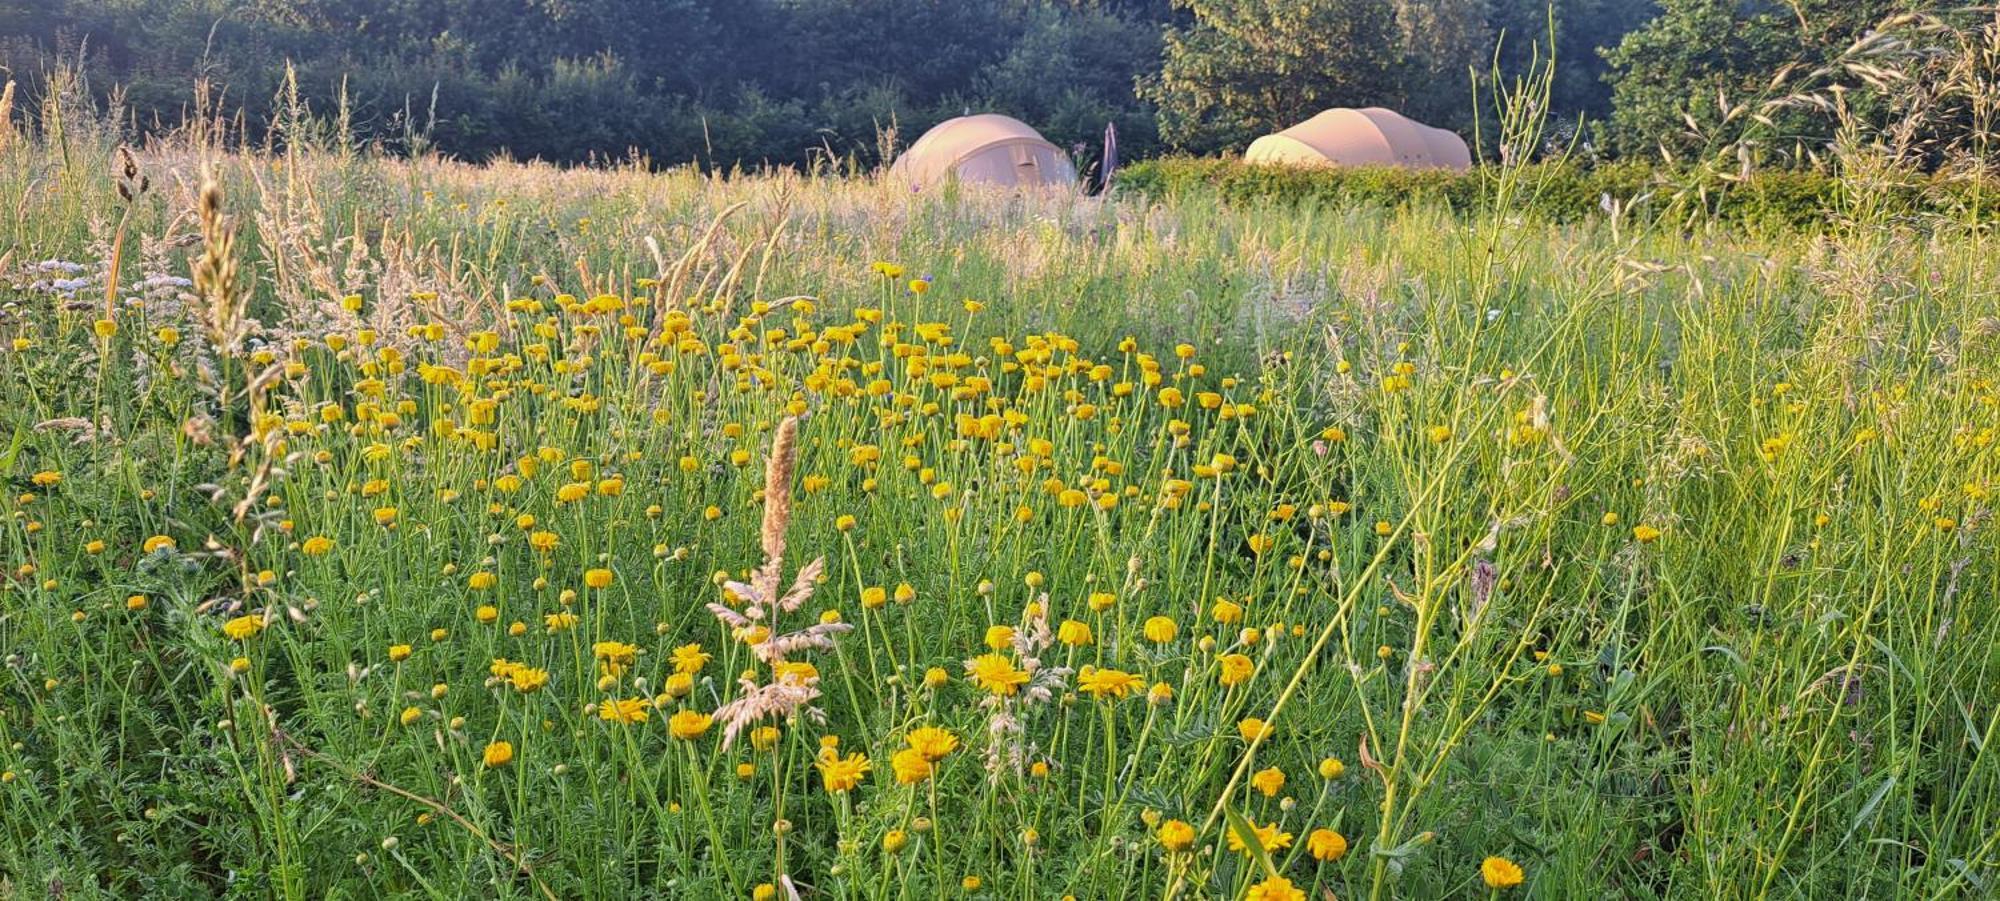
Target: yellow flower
<point>1275,888</point>
<point>527,679</point>
<point>999,638</point>
<point>1160,630</point>
<point>841,774</point>
<point>46,478</point>
<point>688,725</point>
<point>995,673</point>
<point>399,653</point>
<point>409,716</point>
<point>911,766</point>
<point>932,742</point>
<point>243,628</point>
<point>157,542</point>
<point>625,711</point>
<point>1268,836</point>
<point>1253,729</point>
<point>317,546</point>
<point>1175,835</point>
<point>557,622</point>
<point>1236,669</point>
<point>689,659</point>
<point>1326,845</point>
<point>1331,768</point>
<point>1107,683</point>
<point>1500,873</point>
<point>498,754</point>
<point>1645,534</point>
<point>597,578</point>
<point>1073,633</point>
<point>1270,781</point>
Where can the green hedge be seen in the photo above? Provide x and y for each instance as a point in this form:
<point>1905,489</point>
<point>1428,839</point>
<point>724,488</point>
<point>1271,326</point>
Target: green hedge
<point>1562,191</point>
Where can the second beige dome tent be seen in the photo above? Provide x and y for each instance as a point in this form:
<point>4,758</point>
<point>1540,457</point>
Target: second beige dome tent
<point>1362,137</point>
<point>987,149</point>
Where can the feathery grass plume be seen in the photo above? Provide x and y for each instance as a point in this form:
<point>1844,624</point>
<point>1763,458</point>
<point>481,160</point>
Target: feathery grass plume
<point>782,697</point>
<point>778,488</point>
<point>132,184</point>
<point>215,274</point>
<point>7,115</point>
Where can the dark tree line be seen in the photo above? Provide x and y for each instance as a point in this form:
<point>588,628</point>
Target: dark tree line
<point>751,82</point>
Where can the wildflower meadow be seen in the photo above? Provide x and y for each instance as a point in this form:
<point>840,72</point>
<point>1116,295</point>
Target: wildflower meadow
<point>381,527</point>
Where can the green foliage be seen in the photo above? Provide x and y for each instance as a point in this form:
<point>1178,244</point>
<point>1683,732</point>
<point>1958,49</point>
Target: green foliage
<point>1250,67</point>
<point>719,82</point>
<point>1562,192</point>
<point>1243,68</point>
<point>1677,79</point>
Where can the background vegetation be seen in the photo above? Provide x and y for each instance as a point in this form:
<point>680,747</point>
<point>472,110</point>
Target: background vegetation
<point>754,82</point>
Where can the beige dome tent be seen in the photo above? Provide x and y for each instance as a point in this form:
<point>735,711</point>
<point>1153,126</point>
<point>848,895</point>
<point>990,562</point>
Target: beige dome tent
<point>1362,137</point>
<point>988,149</point>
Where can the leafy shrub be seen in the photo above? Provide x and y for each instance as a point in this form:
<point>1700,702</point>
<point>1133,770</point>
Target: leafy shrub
<point>1564,192</point>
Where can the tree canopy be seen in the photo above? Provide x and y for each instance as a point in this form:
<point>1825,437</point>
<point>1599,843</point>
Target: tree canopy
<point>788,82</point>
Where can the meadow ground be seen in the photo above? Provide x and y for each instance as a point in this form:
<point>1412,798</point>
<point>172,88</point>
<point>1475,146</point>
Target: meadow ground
<point>414,528</point>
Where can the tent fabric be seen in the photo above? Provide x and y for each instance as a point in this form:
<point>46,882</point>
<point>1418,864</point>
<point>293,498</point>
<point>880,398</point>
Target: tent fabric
<point>985,149</point>
<point>1362,137</point>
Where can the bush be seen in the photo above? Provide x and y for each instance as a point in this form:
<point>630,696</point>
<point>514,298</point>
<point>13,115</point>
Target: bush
<point>1562,191</point>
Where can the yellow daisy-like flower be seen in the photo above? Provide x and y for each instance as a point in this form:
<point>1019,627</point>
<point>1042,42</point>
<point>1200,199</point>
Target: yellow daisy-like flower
<point>932,742</point>
<point>1268,836</point>
<point>1107,683</point>
<point>243,628</point>
<point>1500,873</point>
<point>841,774</point>
<point>1326,845</point>
<point>996,673</point>
<point>1275,888</point>
<point>689,725</point>
<point>625,711</point>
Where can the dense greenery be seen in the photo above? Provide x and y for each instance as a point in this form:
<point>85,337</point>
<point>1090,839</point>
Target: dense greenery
<point>1242,68</point>
<point>715,81</point>
<point>1568,191</point>
<point>750,82</point>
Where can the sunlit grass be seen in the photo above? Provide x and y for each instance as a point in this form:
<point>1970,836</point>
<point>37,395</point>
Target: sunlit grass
<point>1166,549</point>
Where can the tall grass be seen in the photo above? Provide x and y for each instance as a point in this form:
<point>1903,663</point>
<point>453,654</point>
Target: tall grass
<point>1658,562</point>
